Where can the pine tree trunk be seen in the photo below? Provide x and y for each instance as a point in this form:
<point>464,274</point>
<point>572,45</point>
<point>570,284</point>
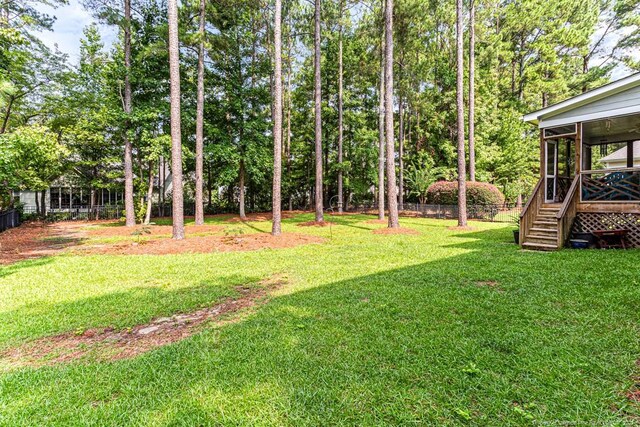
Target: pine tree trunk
<point>340,110</point>
<point>318,115</point>
<point>130,217</point>
<point>462,173</point>
<point>199,211</point>
<point>392,197</point>
<point>176,138</point>
<point>147,217</point>
<point>276,228</point>
<point>288,147</point>
<point>381,139</point>
<point>401,154</point>
<point>472,90</point>
<point>241,185</point>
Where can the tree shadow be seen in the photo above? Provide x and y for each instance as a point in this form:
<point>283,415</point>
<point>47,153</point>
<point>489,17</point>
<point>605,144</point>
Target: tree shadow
<point>426,344</point>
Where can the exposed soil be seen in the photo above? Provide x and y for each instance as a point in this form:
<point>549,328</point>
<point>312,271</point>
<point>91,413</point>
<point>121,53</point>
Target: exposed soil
<point>203,244</point>
<point>401,230</point>
<point>316,224</point>
<point>105,344</point>
<point>37,239</point>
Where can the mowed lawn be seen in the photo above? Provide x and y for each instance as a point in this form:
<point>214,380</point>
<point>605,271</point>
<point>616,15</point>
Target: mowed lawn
<point>446,327</point>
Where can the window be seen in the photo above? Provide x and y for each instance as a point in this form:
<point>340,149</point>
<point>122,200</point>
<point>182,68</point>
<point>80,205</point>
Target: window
<point>560,130</point>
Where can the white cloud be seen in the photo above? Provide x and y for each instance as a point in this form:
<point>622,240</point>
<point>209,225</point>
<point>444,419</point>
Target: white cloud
<point>71,19</point>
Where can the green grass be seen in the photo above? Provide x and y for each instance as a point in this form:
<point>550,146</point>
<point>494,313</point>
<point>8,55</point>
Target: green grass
<point>371,330</point>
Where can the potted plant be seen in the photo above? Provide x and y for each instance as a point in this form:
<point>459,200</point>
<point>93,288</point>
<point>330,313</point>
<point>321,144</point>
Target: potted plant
<point>515,219</point>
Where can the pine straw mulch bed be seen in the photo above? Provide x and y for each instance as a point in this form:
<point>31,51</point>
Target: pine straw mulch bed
<point>316,224</point>
<point>263,216</point>
<point>400,230</point>
<point>377,221</point>
<point>37,239</point>
<point>117,230</point>
<point>202,244</point>
<point>108,344</point>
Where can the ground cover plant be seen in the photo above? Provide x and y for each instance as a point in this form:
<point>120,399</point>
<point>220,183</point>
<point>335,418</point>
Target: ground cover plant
<point>441,327</point>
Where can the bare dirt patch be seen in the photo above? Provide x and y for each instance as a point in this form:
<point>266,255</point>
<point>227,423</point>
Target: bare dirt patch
<point>316,224</point>
<point>37,239</point>
<point>401,230</point>
<point>105,344</point>
<point>203,244</point>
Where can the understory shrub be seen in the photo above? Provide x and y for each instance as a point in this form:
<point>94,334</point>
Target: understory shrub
<point>478,193</point>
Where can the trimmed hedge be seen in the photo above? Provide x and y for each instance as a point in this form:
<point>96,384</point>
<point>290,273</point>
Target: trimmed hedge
<point>478,193</point>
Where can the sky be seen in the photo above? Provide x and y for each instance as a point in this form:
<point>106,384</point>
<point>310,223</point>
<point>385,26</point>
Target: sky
<point>73,18</point>
<point>67,30</point>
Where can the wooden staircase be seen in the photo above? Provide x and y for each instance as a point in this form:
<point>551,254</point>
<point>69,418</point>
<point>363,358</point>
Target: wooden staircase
<point>543,235</point>
<point>547,226</point>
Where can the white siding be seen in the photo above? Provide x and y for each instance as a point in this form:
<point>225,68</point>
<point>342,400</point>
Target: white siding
<point>625,102</point>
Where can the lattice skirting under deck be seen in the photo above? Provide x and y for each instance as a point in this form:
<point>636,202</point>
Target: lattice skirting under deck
<point>587,222</point>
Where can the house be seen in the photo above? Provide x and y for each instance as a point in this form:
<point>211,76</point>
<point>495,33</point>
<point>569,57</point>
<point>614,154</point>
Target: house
<point>580,189</point>
<point>618,159</point>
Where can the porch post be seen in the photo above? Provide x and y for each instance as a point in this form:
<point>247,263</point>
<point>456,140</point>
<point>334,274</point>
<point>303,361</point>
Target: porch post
<point>578,148</point>
<point>630,154</point>
<point>542,155</point>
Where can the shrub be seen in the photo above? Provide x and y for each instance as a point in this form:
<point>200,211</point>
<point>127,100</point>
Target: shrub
<point>478,193</point>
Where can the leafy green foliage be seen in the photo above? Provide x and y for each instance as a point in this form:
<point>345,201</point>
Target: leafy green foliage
<point>478,193</point>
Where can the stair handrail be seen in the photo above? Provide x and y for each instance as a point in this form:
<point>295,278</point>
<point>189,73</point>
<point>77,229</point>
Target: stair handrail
<point>530,210</point>
<point>567,212</point>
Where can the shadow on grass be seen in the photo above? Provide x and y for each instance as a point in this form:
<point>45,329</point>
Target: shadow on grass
<point>135,306</point>
<point>555,343</point>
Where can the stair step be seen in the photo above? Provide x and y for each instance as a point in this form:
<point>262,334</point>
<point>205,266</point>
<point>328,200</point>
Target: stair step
<point>550,231</point>
<point>539,246</point>
<point>536,236</point>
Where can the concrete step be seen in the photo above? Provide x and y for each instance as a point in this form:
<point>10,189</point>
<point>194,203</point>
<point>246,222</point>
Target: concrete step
<point>539,246</point>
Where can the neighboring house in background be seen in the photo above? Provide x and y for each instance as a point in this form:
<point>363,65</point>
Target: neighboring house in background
<point>618,159</point>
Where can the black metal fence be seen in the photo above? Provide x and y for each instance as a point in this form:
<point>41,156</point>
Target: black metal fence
<point>77,213</point>
<point>9,219</point>
<point>493,213</point>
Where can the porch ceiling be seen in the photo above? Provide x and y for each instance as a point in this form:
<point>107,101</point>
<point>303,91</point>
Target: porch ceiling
<point>614,129</point>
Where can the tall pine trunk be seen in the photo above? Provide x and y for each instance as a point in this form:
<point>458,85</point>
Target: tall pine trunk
<point>401,154</point>
<point>318,115</point>
<point>392,197</point>
<point>340,109</point>
<point>130,217</point>
<point>381,139</point>
<point>472,90</point>
<point>147,217</point>
<point>200,121</point>
<point>176,141</point>
<point>242,185</point>
<point>276,228</point>
<point>462,173</point>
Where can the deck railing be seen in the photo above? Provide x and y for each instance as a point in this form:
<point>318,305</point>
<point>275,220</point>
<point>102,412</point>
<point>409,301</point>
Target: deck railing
<point>568,211</point>
<point>616,185</point>
<point>528,215</point>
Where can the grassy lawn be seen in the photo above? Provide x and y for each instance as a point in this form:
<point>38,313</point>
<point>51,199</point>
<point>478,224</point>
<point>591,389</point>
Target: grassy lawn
<point>443,328</point>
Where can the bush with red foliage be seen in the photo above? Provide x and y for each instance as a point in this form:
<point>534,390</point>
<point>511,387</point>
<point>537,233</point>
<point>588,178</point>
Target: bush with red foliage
<point>478,193</point>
